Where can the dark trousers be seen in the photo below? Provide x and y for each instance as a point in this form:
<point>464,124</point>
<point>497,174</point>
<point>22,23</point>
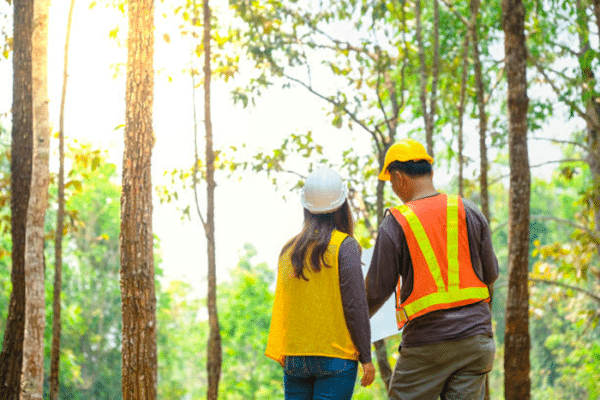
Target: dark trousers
<point>449,370</point>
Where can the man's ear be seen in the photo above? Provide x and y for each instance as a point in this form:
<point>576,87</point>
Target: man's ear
<point>398,175</point>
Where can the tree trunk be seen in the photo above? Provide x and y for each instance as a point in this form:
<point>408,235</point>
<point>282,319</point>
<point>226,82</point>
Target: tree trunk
<point>385,370</point>
<point>597,14</point>
<point>11,357</point>
<point>214,352</point>
<point>60,223</point>
<point>32,378</point>
<point>517,384</point>
<point>483,160</point>
<point>428,113</point>
<point>434,75</point>
<point>461,114</point>
<point>591,101</point>
<point>138,299</point>
<point>483,169</point>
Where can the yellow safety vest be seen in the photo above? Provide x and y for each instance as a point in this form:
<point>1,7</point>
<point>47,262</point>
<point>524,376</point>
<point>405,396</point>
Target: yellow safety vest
<point>308,317</point>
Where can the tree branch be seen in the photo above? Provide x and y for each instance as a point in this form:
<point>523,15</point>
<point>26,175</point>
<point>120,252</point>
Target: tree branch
<point>556,162</point>
<point>335,103</point>
<point>566,49</point>
<point>567,286</point>
<point>452,8</point>
<point>361,209</point>
<point>586,148</point>
<point>496,84</point>
<point>558,92</point>
<point>380,100</point>
<point>196,157</point>
<point>541,165</point>
<point>585,229</point>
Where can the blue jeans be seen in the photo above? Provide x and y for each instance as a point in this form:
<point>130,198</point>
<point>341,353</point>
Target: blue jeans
<point>319,378</point>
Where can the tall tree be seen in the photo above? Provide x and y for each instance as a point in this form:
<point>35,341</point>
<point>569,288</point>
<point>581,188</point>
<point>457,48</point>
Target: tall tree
<point>11,357</point>
<point>587,58</point>
<point>429,112</point>
<point>60,223</point>
<point>517,341</point>
<point>32,378</point>
<point>461,115</point>
<point>479,87</point>
<point>214,357</point>
<point>139,358</point>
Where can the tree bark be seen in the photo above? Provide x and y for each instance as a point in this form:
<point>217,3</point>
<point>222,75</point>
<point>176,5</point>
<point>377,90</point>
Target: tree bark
<point>461,114</point>
<point>138,299</point>
<point>60,223</point>
<point>591,101</point>
<point>597,14</point>
<point>435,72</point>
<point>11,357</point>
<point>517,384</point>
<point>428,112</point>
<point>32,377</point>
<point>214,352</point>
<point>483,160</point>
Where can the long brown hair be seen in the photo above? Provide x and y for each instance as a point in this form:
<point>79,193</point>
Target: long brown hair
<point>315,237</point>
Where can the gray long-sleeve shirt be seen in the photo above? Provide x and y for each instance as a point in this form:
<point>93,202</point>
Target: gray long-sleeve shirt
<point>352,288</point>
<point>391,260</point>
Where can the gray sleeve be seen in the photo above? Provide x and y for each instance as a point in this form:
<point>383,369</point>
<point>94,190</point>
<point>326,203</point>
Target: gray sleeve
<point>391,260</point>
<point>354,301</point>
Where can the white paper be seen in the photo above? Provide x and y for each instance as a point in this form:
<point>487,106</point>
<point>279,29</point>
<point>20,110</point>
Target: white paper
<point>383,323</point>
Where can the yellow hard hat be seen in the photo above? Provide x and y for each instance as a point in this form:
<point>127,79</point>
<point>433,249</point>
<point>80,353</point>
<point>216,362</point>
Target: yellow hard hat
<point>404,150</point>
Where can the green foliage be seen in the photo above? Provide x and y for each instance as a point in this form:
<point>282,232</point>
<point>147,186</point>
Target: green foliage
<point>189,22</point>
<point>5,242</point>
<point>181,339</point>
<point>558,40</point>
<point>567,359</point>
<point>5,217</point>
<point>6,41</point>
<point>245,307</point>
<point>564,312</point>
<point>91,301</point>
<point>358,58</point>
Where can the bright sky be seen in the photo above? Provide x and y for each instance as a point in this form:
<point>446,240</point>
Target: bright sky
<point>249,210</point>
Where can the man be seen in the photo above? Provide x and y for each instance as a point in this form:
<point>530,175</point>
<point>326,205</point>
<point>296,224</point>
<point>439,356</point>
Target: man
<point>435,252</point>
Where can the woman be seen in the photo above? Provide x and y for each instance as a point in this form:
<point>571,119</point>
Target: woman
<point>320,324</point>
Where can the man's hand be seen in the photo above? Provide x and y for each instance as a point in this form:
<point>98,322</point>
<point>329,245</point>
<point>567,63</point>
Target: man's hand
<point>368,374</point>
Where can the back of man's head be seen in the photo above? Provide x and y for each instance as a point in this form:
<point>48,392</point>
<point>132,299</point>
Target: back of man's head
<point>414,169</point>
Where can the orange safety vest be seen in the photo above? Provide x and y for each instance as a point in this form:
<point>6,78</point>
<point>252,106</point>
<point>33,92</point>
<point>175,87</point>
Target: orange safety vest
<point>439,249</point>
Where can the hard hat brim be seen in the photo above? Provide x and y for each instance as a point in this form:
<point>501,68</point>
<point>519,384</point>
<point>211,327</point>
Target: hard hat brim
<point>384,175</point>
<point>314,209</point>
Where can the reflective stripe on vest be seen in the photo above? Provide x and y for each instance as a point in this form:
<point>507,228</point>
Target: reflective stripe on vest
<point>442,296</point>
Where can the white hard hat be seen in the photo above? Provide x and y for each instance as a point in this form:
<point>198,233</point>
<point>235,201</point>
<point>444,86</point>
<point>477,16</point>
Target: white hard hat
<point>324,191</point>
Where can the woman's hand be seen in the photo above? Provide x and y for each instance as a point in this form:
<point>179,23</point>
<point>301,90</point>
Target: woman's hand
<point>368,374</point>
